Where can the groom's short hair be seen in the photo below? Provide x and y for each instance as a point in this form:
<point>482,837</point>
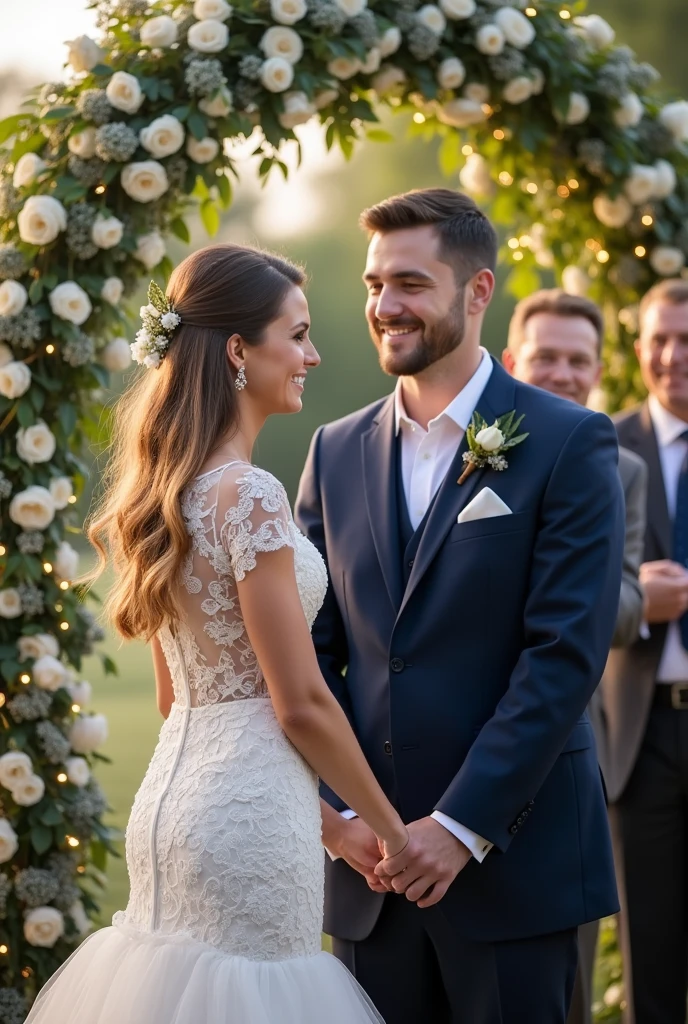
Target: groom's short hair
<point>559,303</point>
<point>468,241</point>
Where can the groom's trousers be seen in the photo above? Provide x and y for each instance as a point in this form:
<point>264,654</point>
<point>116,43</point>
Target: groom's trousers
<point>417,970</point>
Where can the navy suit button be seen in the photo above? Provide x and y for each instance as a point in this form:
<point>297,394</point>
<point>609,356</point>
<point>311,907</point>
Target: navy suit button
<point>397,665</point>
<point>387,747</point>
<point>513,830</point>
<point>410,564</point>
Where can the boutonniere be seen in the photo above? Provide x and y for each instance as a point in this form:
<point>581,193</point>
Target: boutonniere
<point>488,444</point>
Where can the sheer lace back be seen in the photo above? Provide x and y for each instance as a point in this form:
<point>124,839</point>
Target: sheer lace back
<point>232,514</point>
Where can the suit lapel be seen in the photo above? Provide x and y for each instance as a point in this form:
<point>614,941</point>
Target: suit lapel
<point>657,512</point>
<point>496,399</point>
<point>380,483</point>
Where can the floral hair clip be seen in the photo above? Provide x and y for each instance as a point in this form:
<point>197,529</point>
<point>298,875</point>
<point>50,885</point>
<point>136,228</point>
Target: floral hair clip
<point>159,323</point>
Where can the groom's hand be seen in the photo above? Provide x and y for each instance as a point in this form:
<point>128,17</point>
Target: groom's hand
<point>357,844</point>
<point>428,865</point>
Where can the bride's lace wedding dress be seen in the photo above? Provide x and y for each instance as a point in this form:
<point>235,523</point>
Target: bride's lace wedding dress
<point>223,844</point>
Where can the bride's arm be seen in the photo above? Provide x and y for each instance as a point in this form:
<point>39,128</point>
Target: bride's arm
<point>163,679</point>
<point>305,708</point>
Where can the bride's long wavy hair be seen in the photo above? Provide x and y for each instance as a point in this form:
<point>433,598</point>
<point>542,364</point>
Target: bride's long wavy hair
<point>168,423</point>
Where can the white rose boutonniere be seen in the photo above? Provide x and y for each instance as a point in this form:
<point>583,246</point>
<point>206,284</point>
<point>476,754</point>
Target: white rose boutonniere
<point>487,444</point>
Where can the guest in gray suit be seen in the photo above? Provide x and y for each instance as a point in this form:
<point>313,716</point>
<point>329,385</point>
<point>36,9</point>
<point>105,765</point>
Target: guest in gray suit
<point>555,342</point>
<point>645,688</point>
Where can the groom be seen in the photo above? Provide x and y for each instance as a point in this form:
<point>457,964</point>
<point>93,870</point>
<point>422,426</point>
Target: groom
<point>465,629</point>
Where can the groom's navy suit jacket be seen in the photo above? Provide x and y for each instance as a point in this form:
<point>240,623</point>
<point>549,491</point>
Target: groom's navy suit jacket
<point>466,674</point>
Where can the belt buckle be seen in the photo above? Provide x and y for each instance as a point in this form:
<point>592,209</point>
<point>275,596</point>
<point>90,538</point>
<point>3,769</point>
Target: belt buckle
<point>679,696</point>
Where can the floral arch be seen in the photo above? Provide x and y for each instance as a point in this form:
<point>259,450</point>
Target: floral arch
<point>560,131</point>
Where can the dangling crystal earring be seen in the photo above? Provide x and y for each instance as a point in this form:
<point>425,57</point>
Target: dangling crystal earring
<point>240,381</point>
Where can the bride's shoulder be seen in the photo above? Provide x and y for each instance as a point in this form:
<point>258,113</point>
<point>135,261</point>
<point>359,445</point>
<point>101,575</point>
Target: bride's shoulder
<point>243,486</point>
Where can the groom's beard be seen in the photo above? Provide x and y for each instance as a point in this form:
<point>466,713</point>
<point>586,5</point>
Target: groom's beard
<point>436,342</point>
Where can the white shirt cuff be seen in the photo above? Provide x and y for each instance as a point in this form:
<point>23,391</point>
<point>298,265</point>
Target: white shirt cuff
<point>348,813</point>
<point>478,846</point>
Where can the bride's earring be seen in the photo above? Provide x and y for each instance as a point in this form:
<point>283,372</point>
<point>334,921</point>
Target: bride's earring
<point>240,381</point>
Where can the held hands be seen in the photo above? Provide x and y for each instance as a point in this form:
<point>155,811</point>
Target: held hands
<point>427,866</point>
<point>665,584</point>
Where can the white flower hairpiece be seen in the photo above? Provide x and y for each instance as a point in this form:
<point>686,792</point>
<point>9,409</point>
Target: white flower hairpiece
<point>159,323</point>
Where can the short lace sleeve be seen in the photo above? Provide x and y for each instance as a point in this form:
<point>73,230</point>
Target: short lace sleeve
<point>258,518</point>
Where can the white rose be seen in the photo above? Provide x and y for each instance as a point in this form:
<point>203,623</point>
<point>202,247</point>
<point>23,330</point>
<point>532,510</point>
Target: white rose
<point>15,766</point>
<point>32,509</point>
<point>145,180</point>
<point>80,692</point>
<point>219,10</point>
<point>9,843</point>
<point>518,29</point>
<point>78,771</point>
<point>666,260</point>
<point>451,73</point>
<point>88,733</point>
<point>49,673</point>
<point>82,923</point>
<point>83,143</point>
<point>70,302</point>
<point>475,176</point>
<point>150,249</point>
<point>61,491</point>
<point>84,53</point>
<point>390,41</point>
<point>461,113</point>
<point>674,116</point>
<point>389,78</point>
<point>372,62</point>
<point>41,219</point>
<point>458,10</point>
<point>15,380</point>
<point>116,356</point>
<point>107,232</point>
<point>202,151</point>
<point>160,32</point>
<point>490,438</point>
<point>641,184</point>
<point>27,169</point>
<point>613,213</point>
<point>579,108</point>
<point>490,39</point>
<point>352,7</point>
<point>596,31</point>
<point>10,603</point>
<point>13,298</point>
<point>666,179</point>
<point>6,355</point>
<point>324,98</point>
<point>37,646</point>
<point>574,280</point>
<point>477,92</point>
<point>432,17</point>
<point>629,112</point>
<point>124,92</point>
<point>163,136</point>
<point>298,109</point>
<point>208,36</point>
<point>43,926</point>
<point>112,290</point>
<point>29,791</point>
<point>218,106</point>
<point>277,74</point>
<point>279,41</point>
<point>36,443</point>
<point>288,12</point>
<point>518,90</point>
<point>66,562</point>
<point>344,67</point>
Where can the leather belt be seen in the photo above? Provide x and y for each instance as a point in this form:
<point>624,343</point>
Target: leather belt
<point>671,695</point>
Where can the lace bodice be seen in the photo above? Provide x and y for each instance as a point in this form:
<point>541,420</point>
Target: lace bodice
<point>232,514</point>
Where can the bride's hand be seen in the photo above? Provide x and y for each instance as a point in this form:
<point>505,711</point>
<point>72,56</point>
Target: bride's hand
<point>395,845</point>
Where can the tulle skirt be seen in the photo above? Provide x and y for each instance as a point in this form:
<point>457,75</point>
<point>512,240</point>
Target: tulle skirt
<point>123,976</point>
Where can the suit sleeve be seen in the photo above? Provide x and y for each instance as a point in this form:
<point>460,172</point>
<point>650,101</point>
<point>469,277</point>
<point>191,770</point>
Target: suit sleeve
<point>328,632</point>
<point>631,599</point>
<point>569,614</point>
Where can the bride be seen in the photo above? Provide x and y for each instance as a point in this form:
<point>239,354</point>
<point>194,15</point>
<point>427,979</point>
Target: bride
<point>224,841</point>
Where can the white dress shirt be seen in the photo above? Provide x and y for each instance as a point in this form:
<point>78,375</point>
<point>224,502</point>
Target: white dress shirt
<point>426,456</point>
<point>673,666</point>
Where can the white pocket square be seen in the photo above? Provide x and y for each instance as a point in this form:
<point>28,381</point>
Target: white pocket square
<point>485,505</point>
